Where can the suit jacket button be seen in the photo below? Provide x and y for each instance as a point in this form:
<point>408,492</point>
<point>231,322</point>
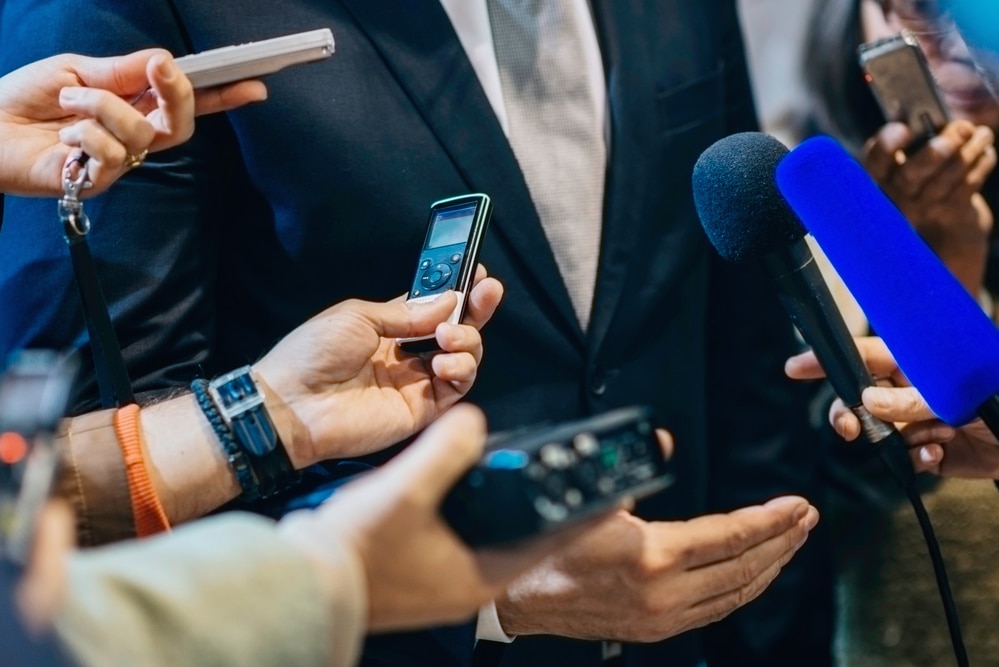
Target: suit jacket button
<point>598,387</point>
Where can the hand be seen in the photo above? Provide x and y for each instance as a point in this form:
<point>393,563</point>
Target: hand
<point>969,451</point>
<point>419,573</point>
<point>637,581</point>
<point>937,189</point>
<point>68,103</point>
<point>42,589</point>
<point>340,386</point>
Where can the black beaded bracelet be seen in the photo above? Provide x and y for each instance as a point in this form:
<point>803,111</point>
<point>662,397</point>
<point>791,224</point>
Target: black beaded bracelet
<point>234,453</point>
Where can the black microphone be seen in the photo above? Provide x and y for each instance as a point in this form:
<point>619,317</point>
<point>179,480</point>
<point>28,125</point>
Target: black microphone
<point>745,217</point>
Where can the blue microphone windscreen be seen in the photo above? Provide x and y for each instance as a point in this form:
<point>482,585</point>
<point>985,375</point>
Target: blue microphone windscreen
<point>941,339</point>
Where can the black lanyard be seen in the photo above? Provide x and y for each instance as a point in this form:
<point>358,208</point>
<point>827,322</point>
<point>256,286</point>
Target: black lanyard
<point>112,376</point>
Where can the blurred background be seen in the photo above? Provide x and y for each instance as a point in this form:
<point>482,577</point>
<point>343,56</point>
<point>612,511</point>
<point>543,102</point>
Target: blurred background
<point>890,614</point>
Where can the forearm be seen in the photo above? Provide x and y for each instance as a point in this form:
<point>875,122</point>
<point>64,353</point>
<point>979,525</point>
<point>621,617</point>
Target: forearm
<point>185,462</point>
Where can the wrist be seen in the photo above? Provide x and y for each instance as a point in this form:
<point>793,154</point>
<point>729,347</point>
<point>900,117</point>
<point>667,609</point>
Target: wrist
<point>291,429</point>
<point>193,479</point>
<point>514,610</point>
<point>235,406</point>
<point>489,627</point>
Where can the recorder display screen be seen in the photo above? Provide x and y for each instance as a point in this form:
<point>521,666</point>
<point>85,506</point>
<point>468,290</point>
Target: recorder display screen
<point>451,226</point>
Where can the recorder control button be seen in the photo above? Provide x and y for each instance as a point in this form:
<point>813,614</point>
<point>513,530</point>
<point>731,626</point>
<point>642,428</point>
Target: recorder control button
<point>425,264</point>
<point>586,444</point>
<point>555,456</point>
<point>455,258</point>
<point>436,276</point>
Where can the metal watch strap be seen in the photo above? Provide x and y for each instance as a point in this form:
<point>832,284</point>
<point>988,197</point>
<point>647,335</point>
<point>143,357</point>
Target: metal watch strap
<point>241,405</point>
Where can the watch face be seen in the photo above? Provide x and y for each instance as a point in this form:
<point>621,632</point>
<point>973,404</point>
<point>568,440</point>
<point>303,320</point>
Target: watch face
<point>235,393</point>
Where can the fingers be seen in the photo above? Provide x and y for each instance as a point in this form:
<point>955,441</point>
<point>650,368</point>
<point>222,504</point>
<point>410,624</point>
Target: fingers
<point>225,98</point>
<point>444,452</point>
<point>458,338</point>
<point>927,458</point>
<point>933,161</point>
<point>959,168</point>
<point>121,75</point>
<point>880,150</point>
<point>107,154</point>
<point>754,571</point>
<point>876,356</point>
<point>720,537</point>
<point>41,589</point>
<point>399,319</point>
<point>459,370</point>
<point>459,365</point>
<point>804,366</point>
<point>665,442</point>
<point>122,123</point>
<point>175,100</point>
<point>897,404</point>
<point>483,300</point>
<point>982,168</point>
<point>843,421</point>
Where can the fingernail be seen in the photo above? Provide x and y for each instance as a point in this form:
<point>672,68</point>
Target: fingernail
<point>926,455</point>
<point>70,94</point>
<point>425,304</point>
<point>164,69</point>
<point>800,512</point>
<point>843,425</point>
<point>813,518</point>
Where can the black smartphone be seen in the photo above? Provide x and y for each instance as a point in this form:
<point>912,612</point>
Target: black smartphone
<point>448,258</point>
<point>903,85</point>
<point>35,391</point>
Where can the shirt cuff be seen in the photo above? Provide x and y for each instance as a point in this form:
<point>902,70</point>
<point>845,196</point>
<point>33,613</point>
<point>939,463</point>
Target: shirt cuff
<point>94,479</point>
<point>488,626</point>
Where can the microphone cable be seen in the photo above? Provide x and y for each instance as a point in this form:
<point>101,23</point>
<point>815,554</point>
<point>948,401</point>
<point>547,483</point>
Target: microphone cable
<point>894,453</point>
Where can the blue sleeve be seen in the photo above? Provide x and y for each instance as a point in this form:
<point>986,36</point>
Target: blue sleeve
<point>156,261</point>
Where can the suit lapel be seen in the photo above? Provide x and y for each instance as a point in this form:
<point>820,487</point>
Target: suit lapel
<point>420,48</point>
<point>629,95</point>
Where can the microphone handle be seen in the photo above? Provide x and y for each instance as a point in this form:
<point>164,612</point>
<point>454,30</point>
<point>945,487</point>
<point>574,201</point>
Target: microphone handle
<point>806,297</point>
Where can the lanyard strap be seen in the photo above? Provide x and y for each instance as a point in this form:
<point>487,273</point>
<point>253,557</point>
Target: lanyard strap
<point>112,376</point>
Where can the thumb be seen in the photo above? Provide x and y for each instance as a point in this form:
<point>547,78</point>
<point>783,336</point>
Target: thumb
<point>399,319</point>
<point>122,75</point>
<point>443,453</point>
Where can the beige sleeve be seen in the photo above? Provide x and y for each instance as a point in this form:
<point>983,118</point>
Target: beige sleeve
<point>94,480</point>
<point>222,591</point>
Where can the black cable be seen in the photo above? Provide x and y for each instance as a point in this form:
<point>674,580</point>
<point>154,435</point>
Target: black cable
<point>895,455</point>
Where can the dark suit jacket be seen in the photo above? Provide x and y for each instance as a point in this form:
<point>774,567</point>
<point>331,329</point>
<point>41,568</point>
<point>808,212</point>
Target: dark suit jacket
<point>210,253</point>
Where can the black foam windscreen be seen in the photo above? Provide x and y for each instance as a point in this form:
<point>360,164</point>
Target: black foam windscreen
<point>740,208</point>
